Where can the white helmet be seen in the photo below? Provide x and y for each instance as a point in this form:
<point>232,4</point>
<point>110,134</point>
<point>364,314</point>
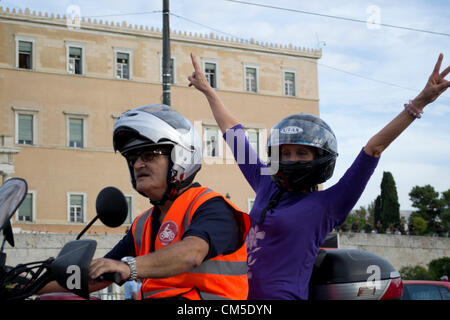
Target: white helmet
<point>161,125</point>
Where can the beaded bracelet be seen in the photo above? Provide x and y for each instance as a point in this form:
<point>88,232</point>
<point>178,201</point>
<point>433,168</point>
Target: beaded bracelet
<point>412,110</point>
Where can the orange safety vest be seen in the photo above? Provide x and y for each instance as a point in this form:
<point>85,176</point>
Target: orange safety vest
<point>223,277</point>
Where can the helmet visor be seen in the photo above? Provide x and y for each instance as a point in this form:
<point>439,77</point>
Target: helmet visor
<point>168,115</point>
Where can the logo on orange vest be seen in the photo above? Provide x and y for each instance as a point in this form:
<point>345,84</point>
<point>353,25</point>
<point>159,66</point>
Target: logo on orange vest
<point>168,232</point>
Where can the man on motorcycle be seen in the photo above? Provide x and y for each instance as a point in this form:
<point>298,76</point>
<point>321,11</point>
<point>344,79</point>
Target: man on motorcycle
<point>191,243</point>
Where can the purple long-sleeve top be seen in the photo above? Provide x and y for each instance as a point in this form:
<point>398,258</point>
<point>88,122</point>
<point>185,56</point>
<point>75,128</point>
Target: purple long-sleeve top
<point>282,250</point>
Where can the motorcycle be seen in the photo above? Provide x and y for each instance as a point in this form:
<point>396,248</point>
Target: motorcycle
<point>338,274</point>
<point>70,267</point>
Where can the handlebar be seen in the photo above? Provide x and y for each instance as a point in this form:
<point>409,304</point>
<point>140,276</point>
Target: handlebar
<point>24,280</point>
<point>111,276</point>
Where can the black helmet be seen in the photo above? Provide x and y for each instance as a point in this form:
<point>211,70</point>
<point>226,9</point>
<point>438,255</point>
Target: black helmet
<point>308,130</point>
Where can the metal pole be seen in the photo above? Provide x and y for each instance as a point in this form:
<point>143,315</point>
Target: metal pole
<point>166,54</point>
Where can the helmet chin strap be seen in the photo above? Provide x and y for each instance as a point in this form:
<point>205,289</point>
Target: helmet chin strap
<point>170,194</point>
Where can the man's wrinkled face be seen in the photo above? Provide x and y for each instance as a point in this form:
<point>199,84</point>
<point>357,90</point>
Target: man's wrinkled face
<point>150,167</point>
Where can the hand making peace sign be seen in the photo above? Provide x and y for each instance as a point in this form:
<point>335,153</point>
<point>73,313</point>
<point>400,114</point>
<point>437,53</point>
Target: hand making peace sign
<point>435,86</point>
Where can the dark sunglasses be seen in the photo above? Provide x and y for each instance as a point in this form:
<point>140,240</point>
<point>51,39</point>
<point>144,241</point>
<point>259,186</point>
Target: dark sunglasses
<point>145,155</point>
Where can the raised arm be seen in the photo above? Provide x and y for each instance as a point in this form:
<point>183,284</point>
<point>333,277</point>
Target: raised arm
<point>435,86</point>
<point>223,116</point>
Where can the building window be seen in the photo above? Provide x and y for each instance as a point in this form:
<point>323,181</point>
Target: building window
<point>211,73</point>
<point>251,79</point>
<point>129,218</point>
<point>75,52</point>
<point>26,209</point>
<point>122,65</point>
<point>25,125</point>
<point>289,84</point>
<point>213,142</point>
<point>75,63</point>
<point>253,139</point>
<point>25,129</point>
<point>25,54</point>
<point>76,207</point>
<point>76,133</point>
<point>123,59</point>
<point>25,51</point>
<point>76,126</point>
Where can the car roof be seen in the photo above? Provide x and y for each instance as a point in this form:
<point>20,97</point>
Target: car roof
<point>427,282</point>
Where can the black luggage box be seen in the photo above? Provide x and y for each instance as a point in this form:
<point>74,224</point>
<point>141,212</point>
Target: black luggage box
<point>348,274</point>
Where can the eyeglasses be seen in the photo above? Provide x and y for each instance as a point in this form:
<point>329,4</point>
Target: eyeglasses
<point>145,155</point>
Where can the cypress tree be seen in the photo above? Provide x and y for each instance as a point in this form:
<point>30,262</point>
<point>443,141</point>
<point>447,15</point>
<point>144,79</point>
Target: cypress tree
<point>377,211</point>
<point>390,208</point>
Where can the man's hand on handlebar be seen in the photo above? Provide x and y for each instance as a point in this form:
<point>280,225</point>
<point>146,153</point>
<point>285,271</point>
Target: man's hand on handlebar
<point>101,266</point>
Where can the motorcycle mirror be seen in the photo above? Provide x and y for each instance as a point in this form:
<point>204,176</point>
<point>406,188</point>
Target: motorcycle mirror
<point>112,209</point>
<point>12,193</point>
<point>71,266</point>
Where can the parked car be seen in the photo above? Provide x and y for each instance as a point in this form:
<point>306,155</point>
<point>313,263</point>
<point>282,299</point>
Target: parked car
<point>426,290</point>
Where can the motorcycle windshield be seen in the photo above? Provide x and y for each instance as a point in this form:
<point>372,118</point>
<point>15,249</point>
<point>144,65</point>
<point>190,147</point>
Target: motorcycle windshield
<point>12,193</point>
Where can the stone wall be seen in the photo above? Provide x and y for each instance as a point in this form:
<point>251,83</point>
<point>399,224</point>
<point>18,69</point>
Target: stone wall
<point>398,250</point>
<point>40,246</point>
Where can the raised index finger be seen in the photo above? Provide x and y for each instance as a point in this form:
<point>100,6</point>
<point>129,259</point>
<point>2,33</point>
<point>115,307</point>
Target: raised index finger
<point>195,63</point>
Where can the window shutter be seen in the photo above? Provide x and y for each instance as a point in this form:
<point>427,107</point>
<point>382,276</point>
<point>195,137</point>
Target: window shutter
<point>25,46</point>
<point>289,76</point>
<point>76,132</point>
<point>76,200</point>
<point>25,209</point>
<point>122,57</point>
<point>25,128</point>
<point>73,51</point>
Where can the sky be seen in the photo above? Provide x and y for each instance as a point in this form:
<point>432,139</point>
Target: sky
<point>368,70</point>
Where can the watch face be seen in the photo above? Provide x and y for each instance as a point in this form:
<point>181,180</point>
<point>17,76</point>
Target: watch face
<point>127,259</point>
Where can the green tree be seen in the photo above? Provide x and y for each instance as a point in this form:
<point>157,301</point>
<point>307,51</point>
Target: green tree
<point>419,224</point>
<point>439,267</point>
<point>445,218</point>
<point>347,225</point>
<point>360,215</point>
<point>377,211</point>
<point>429,205</point>
<point>445,214</point>
<point>371,213</point>
<point>415,273</point>
<point>390,207</point>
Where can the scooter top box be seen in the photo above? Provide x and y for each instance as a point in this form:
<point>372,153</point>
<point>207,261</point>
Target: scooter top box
<point>348,265</point>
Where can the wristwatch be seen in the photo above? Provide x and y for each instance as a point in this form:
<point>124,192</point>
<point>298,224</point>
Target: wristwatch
<point>131,262</point>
